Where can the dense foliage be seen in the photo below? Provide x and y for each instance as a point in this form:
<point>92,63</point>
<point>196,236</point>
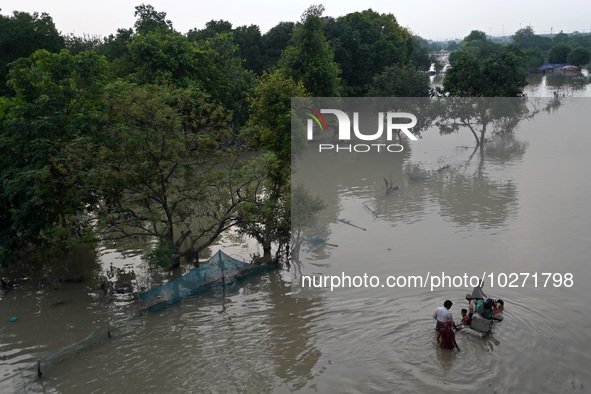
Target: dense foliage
<point>556,49</point>
<point>149,132</point>
<point>485,69</point>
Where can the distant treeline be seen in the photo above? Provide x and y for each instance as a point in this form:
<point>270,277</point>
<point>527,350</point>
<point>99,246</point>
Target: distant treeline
<point>560,48</point>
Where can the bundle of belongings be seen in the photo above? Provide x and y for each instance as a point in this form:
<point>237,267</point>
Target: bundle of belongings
<point>483,310</point>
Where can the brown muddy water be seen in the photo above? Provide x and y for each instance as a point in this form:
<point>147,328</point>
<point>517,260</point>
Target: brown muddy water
<point>522,206</point>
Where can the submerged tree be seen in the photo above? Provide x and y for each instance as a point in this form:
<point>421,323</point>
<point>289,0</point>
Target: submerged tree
<point>267,214</point>
<point>165,173</point>
<point>481,115</point>
<point>305,208</point>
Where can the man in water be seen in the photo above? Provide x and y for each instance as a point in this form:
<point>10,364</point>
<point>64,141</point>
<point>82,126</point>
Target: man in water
<point>442,314</point>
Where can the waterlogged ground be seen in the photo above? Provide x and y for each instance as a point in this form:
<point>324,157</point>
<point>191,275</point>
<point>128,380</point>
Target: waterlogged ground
<point>521,207</point>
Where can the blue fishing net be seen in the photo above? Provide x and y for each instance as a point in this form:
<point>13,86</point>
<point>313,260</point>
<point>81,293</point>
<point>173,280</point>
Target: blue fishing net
<point>219,269</point>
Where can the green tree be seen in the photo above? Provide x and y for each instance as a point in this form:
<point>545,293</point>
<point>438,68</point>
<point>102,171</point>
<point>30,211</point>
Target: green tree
<point>116,49</point>
<point>477,44</point>
<point>274,43</point>
<point>473,37</point>
<point>579,56</point>
<point>212,28</point>
<point>438,66</point>
<point>305,208</point>
<point>169,57</point>
<point>453,46</point>
<point>580,41</point>
<point>22,34</point>
<point>526,38</point>
<point>366,42</point>
<point>420,53</point>
<point>310,59</point>
<point>534,57</point>
<point>270,119</point>
<point>164,173</point>
<point>559,53</point>
<point>150,20</point>
<point>398,81</point>
<point>267,214</point>
<point>76,44</point>
<point>560,38</point>
<point>250,47</point>
<point>116,46</point>
<point>435,46</point>
<point>247,38</point>
<point>223,52</point>
<point>493,72</point>
<point>48,130</point>
<point>482,116</point>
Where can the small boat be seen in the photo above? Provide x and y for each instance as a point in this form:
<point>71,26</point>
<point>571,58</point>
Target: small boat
<point>485,310</point>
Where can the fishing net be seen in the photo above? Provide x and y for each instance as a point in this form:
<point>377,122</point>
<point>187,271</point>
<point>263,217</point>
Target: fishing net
<point>100,333</point>
<point>218,270</point>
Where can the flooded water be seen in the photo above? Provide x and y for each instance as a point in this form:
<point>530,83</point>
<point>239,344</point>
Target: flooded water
<point>519,206</point>
<point>544,85</point>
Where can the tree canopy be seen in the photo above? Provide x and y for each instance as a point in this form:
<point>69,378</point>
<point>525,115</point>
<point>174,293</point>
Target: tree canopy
<point>559,53</point>
<point>539,49</point>
<point>579,56</point>
<point>364,43</point>
<point>310,58</point>
<point>22,34</point>
<point>47,181</point>
<point>143,133</point>
<point>485,69</point>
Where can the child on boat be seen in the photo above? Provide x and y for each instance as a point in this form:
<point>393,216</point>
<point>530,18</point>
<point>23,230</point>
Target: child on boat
<point>465,318</point>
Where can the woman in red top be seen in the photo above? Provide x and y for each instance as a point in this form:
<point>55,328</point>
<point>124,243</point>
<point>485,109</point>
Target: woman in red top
<point>447,337</point>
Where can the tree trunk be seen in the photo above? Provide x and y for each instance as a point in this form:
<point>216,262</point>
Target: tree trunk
<point>175,260</point>
<point>267,257</point>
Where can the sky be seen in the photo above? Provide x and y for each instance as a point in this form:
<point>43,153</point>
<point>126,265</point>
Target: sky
<point>436,20</point>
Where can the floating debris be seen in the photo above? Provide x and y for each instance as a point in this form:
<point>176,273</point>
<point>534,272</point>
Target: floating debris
<point>390,185</point>
<point>318,241</point>
<point>415,178</point>
<point>371,210</point>
<point>351,224</point>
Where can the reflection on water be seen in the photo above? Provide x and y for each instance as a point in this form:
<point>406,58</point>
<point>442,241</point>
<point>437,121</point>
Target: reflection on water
<point>519,205</point>
<point>544,85</point>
